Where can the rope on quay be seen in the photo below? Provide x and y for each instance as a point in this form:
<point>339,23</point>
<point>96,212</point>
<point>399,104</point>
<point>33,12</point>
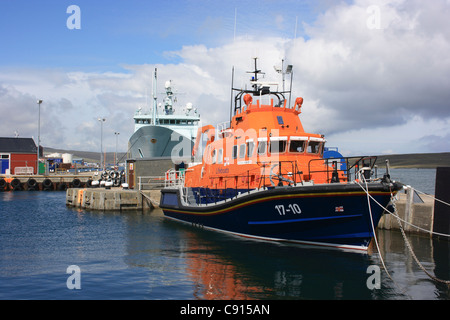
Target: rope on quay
<point>447,282</point>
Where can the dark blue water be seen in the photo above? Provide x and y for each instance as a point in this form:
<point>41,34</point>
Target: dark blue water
<point>423,180</point>
<point>144,256</point>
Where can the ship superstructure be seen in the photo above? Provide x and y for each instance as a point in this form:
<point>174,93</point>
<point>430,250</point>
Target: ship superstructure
<point>164,134</point>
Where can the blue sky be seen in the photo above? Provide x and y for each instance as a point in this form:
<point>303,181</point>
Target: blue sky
<point>112,33</point>
<point>374,74</point>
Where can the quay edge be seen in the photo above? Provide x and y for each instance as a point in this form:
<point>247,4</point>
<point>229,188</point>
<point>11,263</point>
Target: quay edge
<point>43,182</point>
<point>115,199</point>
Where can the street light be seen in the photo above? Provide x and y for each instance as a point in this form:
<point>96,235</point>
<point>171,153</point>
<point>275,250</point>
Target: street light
<point>101,142</point>
<point>39,102</point>
<point>115,155</point>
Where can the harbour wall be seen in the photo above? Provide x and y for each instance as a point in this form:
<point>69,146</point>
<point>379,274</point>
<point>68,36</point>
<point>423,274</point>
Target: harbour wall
<point>114,199</point>
<point>416,214</point>
<point>43,183</point>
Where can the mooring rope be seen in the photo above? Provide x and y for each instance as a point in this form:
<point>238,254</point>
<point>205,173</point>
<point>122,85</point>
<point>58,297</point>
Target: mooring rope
<point>373,227</point>
<point>375,234</point>
<point>429,195</point>
<point>447,282</point>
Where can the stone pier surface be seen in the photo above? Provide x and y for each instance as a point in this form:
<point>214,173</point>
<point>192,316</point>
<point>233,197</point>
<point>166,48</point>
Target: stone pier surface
<point>114,199</point>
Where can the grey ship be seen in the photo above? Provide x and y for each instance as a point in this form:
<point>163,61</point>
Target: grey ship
<point>166,135</point>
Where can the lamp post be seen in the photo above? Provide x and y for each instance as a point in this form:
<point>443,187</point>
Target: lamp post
<point>39,102</point>
<point>101,142</point>
<point>115,155</point>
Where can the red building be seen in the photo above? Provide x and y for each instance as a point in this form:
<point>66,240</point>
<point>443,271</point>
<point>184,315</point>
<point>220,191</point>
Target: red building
<point>18,156</point>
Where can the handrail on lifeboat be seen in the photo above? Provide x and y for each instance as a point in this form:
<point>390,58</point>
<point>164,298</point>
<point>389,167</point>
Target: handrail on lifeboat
<point>353,166</point>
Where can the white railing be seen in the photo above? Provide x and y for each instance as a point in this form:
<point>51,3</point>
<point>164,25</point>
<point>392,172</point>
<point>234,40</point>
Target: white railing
<point>23,170</point>
<point>174,178</point>
<point>150,182</point>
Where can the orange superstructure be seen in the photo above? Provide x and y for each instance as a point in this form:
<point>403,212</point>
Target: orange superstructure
<point>264,144</point>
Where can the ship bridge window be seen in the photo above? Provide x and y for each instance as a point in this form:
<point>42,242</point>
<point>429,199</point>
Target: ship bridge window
<point>277,144</point>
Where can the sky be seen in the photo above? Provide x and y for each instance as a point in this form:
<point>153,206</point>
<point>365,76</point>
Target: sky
<point>374,74</point>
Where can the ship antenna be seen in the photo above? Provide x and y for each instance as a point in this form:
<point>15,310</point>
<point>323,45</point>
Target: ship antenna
<point>231,99</point>
<point>289,70</point>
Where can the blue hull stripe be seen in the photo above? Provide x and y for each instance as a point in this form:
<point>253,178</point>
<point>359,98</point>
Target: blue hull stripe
<point>304,220</point>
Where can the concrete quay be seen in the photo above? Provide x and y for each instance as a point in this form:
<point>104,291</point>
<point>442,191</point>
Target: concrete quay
<point>420,214</point>
<point>114,199</point>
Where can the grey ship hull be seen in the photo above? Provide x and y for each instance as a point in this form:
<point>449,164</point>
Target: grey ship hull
<point>159,142</point>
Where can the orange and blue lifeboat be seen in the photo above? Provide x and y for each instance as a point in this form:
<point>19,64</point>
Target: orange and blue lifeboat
<point>262,176</point>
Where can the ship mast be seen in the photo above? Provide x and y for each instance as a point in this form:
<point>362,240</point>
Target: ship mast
<point>154,97</point>
<point>255,77</point>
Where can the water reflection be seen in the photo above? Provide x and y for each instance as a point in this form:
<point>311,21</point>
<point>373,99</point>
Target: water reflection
<point>219,266</point>
<point>410,280</point>
<point>137,255</point>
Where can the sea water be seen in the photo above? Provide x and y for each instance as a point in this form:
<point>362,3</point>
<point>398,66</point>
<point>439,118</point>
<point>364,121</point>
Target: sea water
<point>50,251</point>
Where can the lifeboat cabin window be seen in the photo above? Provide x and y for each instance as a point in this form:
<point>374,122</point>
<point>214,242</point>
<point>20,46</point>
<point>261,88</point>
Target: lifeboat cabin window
<point>235,152</point>
<point>315,146</point>
<point>297,144</point>
<point>250,148</point>
<point>262,147</point>
<point>277,144</point>
<point>220,156</point>
<point>242,151</point>
<point>214,155</point>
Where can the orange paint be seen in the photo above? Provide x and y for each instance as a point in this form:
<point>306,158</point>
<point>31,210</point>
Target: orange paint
<point>245,155</point>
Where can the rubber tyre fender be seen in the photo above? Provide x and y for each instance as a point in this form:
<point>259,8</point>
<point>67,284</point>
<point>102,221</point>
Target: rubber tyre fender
<point>32,184</point>
<point>47,184</point>
<point>76,183</point>
<point>16,185</point>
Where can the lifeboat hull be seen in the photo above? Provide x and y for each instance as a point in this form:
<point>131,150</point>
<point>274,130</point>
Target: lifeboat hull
<point>331,215</point>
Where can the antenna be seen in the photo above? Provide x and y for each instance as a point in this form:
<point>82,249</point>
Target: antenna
<point>235,18</point>
<point>256,72</point>
<point>295,31</point>
<point>231,100</point>
<point>155,76</point>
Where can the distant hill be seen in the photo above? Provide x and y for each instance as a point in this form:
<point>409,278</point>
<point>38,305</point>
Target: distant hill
<point>88,156</point>
<point>414,160</point>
